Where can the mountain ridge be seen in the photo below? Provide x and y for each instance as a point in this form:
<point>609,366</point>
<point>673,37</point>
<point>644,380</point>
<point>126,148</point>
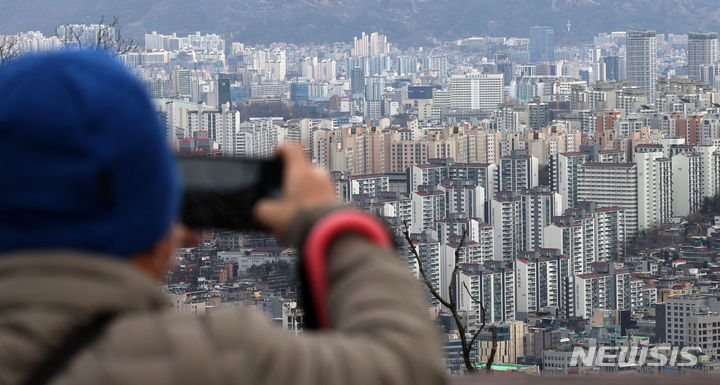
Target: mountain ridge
<point>407,22</point>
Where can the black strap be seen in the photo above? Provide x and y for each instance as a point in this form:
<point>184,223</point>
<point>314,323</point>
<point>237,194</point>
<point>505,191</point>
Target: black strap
<point>58,359</point>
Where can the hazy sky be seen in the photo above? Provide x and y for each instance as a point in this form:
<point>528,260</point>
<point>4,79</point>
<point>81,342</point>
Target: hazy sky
<point>405,21</point>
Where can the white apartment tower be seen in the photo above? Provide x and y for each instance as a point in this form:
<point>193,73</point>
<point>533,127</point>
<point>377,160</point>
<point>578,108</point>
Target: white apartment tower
<point>428,250</point>
<point>259,137</point>
<point>507,218</point>
<point>686,183</point>
<point>452,228</point>
<point>567,168</point>
<point>540,206</point>
<point>221,124</point>
<point>369,184</point>
<point>481,174</point>
<point>494,286</point>
<point>428,205</point>
<point>465,199</point>
<point>470,253</point>
<point>543,280</point>
<point>587,234</point>
<point>654,183</point>
<point>710,163</point>
<point>374,44</point>
<point>642,60</point>
<point>517,172</point>
<point>608,289</point>
<point>427,174</point>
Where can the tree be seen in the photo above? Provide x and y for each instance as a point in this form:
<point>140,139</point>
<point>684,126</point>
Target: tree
<point>451,303</point>
<point>9,48</point>
<point>104,36</point>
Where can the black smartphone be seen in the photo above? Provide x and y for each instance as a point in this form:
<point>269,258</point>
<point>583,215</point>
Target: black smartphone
<point>221,192</point>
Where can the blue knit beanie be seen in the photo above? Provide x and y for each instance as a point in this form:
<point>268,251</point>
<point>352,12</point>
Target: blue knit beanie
<point>85,164</point>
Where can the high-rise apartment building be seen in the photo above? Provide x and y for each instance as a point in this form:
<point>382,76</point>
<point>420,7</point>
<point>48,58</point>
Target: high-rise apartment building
<point>686,183</point>
<point>366,145</point>
<point>607,288</point>
<point>543,280</point>
<point>374,88</point>
<point>428,205</point>
<point>470,252</point>
<point>438,64</point>
<point>221,124</point>
<point>259,137</point>
<point>465,198</point>
<point>565,176</point>
<point>276,65</point>
<point>538,114</point>
<point>506,119</point>
<point>587,234</point>
<point>710,163</point>
<point>154,41</point>
<point>494,286</point>
<point>611,184</point>
<point>507,218</point>
<point>182,82</point>
<point>405,65</point>
<point>517,172</point>
<point>540,206</point>
<point>427,174</point>
<point>654,182</point>
<point>369,184</point>
<point>702,51</point>
<point>481,174</point>
<point>321,70</point>
<point>374,44</point>
<point>428,251</point>
<point>455,225</point>
<point>403,154</point>
<point>642,61</point>
<point>325,144</point>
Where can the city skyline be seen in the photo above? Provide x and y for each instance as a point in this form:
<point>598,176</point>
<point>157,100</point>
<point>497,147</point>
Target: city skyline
<point>573,188</point>
<point>408,23</point>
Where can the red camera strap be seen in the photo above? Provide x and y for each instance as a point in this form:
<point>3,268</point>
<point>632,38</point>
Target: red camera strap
<point>316,248</point>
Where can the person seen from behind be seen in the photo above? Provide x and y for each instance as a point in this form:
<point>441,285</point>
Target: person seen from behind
<point>89,201</point>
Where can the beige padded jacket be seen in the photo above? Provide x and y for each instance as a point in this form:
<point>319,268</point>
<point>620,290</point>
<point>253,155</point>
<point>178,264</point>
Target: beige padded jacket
<point>381,333</point>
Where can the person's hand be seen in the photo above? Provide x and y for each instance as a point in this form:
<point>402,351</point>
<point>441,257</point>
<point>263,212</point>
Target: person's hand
<point>305,186</point>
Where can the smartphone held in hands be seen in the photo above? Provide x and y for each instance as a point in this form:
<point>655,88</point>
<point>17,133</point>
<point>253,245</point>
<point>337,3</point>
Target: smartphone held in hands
<point>221,192</point>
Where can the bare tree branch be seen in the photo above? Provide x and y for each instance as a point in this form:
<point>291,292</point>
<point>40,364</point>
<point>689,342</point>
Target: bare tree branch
<point>455,268</point>
<point>462,328</point>
<point>68,34</point>
<point>9,48</point>
<point>493,330</point>
<point>451,303</point>
<point>421,270</point>
<point>108,37</point>
<point>482,315</point>
<point>493,350</point>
